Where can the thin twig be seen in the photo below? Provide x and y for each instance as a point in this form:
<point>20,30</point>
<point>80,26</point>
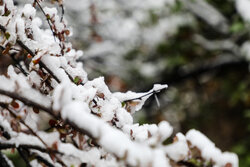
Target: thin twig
<point>5,106</point>
<point>4,133</point>
<point>27,101</point>
<point>31,130</point>
<point>50,26</point>
<point>43,160</point>
<point>4,146</point>
<point>62,12</point>
<point>71,78</point>
<point>18,65</point>
<point>22,45</point>
<point>140,97</point>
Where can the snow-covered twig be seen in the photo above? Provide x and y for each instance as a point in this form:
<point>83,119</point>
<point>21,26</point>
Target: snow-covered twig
<point>88,123</point>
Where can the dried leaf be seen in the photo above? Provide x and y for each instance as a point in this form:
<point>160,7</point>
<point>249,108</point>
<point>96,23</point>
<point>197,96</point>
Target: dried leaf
<point>52,122</point>
<point>74,133</point>
<point>67,32</point>
<point>149,134</point>
<point>36,110</point>
<point>175,139</point>
<point>14,104</point>
<point>55,145</point>
<point>133,103</point>
<point>53,157</point>
<point>29,56</point>
<point>37,60</point>
<point>101,95</point>
<point>81,141</point>
<point>6,50</point>
<point>68,49</point>
<point>15,125</point>
<point>228,165</point>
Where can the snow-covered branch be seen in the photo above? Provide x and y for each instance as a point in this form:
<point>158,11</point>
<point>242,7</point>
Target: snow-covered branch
<point>55,113</point>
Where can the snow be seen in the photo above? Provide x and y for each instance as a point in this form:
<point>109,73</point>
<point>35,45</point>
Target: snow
<point>140,97</point>
<point>23,139</point>
<point>50,11</point>
<point>18,84</point>
<point>208,149</point>
<point>165,130</point>
<point>100,85</point>
<point>45,156</point>
<point>149,132</point>
<point>107,112</point>
<point>124,118</point>
<point>54,64</point>
<point>91,156</point>
<point>74,112</point>
<point>5,99</point>
<point>243,7</point>
<point>178,150</point>
<point>20,28</point>
<point>35,78</point>
<point>19,79</point>
<point>34,163</point>
<point>198,139</point>
<point>4,82</point>
<point>160,160</point>
<point>29,11</point>
<point>107,136</point>
<point>61,95</point>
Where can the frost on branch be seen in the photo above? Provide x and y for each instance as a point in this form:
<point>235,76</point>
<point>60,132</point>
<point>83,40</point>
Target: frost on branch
<point>86,124</point>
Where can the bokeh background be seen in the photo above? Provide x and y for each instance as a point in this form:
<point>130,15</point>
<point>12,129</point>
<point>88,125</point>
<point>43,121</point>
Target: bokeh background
<point>200,48</point>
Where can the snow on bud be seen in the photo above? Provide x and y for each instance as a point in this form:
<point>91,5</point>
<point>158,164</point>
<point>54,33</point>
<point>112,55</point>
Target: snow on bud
<point>29,11</point>
<point>178,150</point>
<point>124,118</point>
<point>62,95</point>
<point>209,151</point>
<point>165,130</point>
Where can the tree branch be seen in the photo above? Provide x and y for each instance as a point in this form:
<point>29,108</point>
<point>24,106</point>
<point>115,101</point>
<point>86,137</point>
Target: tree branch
<point>27,101</point>
<point>43,160</point>
<point>4,146</point>
<point>50,26</point>
<point>22,45</point>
